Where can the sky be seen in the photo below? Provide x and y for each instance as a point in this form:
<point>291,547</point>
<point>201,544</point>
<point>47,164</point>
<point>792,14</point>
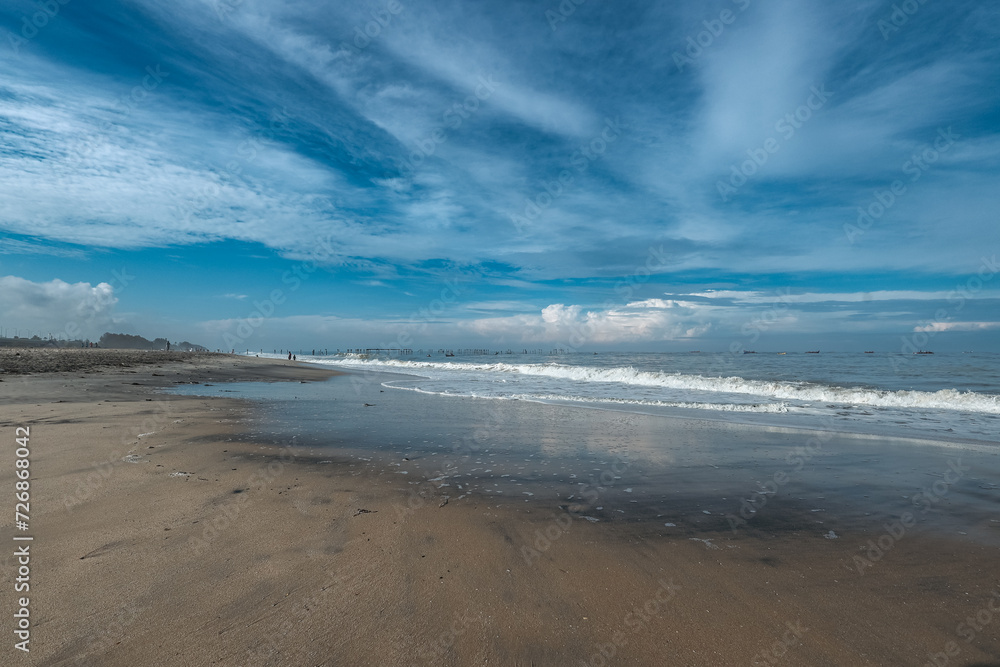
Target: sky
<point>256,174</point>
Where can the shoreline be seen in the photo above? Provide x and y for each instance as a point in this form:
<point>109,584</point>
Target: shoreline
<point>738,417</point>
<point>948,423</point>
<point>312,557</point>
<point>693,471</point>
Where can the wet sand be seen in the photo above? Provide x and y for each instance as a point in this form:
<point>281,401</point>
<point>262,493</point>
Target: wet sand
<point>177,530</point>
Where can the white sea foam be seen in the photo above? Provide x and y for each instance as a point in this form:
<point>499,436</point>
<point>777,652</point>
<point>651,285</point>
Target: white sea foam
<point>800,392</point>
<point>725,407</point>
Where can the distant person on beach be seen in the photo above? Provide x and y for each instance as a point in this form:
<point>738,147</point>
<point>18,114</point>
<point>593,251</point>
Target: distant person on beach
<point>289,356</point>
<point>293,358</point>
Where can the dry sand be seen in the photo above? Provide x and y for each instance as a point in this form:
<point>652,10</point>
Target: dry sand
<point>162,538</point>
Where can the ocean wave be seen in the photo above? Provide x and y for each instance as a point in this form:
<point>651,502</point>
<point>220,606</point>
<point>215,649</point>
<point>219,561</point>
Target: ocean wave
<point>804,392</point>
<point>725,407</point>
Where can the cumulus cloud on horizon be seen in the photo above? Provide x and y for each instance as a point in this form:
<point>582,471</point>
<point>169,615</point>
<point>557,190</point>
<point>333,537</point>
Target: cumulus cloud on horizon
<point>57,308</point>
<point>677,318</point>
<point>575,326</point>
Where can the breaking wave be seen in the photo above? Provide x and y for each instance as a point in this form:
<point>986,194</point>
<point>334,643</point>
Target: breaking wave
<point>800,392</point>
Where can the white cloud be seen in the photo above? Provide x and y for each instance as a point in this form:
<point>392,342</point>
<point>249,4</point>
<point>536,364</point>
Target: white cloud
<point>793,44</point>
<point>187,181</point>
<point>938,327</point>
<point>741,315</point>
<point>175,169</point>
<point>16,247</point>
<point>508,305</point>
<point>819,297</point>
<point>58,308</point>
<point>573,326</point>
<point>660,303</point>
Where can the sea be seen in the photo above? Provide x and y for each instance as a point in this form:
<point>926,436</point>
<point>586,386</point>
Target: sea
<point>681,441</point>
<point>943,396</point>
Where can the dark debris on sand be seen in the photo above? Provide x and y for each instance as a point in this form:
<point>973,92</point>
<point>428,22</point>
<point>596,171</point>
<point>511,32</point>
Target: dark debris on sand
<point>23,361</point>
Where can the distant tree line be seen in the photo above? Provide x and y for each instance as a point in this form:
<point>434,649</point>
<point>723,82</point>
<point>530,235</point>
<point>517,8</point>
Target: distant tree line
<point>130,342</point>
<point>108,340</point>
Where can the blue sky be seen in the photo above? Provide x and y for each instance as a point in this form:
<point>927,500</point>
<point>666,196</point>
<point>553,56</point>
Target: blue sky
<point>683,175</point>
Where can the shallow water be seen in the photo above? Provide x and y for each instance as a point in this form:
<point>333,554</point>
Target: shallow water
<point>696,474</point>
<point>952,396</point>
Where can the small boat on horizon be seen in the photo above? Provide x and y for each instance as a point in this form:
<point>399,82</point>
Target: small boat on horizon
<point>869,351</point>
<point>923,352</point>
<point>812,351</point>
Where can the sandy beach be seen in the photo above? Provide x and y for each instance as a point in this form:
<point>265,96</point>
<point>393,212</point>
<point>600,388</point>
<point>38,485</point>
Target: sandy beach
<point>165,535</point>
